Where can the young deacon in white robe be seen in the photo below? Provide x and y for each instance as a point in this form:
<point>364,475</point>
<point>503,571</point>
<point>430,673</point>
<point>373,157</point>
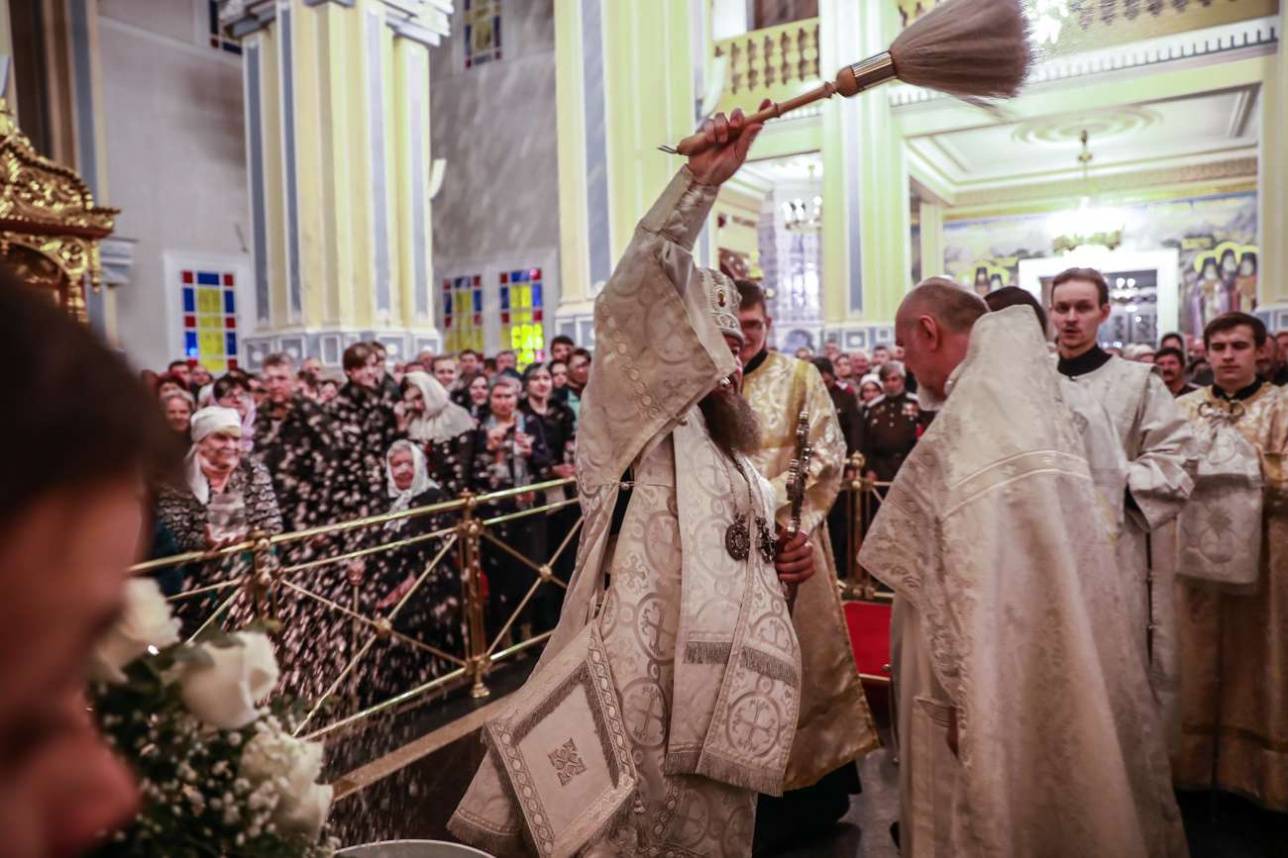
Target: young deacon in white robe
<point>668,695</point>
<point>1232,593</point>
<point>1026,722</point>
<point>1158,443</point>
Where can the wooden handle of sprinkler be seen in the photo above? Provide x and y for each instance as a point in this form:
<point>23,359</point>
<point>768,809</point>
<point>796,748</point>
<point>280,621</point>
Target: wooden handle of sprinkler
<point>846,84</point>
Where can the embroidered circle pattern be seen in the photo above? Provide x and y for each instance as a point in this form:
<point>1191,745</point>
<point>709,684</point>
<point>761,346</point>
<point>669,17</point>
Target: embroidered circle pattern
<point>645,708</point>
<point>754,723</point>
<point>654,629</point>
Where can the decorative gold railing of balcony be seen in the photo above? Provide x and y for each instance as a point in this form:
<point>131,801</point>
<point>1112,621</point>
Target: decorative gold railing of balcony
<point>777,62</point>
<point>259,582</point>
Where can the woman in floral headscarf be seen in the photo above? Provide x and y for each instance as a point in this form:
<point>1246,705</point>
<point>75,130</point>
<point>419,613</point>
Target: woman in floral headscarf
<point>441,427</point>
<point>422,604</point>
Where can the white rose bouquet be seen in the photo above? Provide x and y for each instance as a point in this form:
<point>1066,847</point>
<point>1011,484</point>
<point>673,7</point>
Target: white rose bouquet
<point>219,772</point>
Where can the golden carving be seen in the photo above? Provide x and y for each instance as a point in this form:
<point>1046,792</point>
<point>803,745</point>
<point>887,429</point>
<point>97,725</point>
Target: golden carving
<point>50,228</point>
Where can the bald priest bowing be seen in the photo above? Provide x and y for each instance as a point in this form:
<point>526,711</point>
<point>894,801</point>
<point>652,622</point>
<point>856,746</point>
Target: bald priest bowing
<point>1026,721</point>
<point>669,694</point>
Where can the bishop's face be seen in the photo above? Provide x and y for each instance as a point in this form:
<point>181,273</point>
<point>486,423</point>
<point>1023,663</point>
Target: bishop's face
<point>736,348</point>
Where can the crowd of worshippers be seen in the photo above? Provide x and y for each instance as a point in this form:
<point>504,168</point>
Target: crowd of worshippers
<point>289,448</point>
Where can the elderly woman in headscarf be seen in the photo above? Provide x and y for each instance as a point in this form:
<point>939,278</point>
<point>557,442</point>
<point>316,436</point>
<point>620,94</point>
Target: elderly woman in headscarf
<point>226,494</point>
<point>509,452</point>
<point>431,613</point>
<point>442,428</point>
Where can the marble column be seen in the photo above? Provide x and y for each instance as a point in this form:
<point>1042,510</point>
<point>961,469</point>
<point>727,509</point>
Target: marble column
<point>337,120</point>
<point>865,183</point>
<point>628,76</point>
<point>1273,186</point>
<point>932,238</point>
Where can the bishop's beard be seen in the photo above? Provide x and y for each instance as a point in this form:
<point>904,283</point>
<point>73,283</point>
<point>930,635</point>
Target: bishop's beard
<point>732,422</point>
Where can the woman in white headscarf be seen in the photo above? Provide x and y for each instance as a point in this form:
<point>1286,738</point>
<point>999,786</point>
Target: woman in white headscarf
<point>869,389</point>
<point>220,479</point>
<point>429,417</point>
<point>226,496</point>
<point>427,602</point>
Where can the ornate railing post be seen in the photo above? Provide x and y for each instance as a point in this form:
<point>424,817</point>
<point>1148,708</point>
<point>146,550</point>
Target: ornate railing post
<point>470,531</point>
<point>261,582</point>
<point>859,584</point>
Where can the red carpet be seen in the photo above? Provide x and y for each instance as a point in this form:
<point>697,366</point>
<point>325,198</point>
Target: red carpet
<point>869,625</point>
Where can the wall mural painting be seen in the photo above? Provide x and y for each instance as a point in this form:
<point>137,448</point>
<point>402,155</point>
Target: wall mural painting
<point>1215,236</point>
<point>1221,279</point>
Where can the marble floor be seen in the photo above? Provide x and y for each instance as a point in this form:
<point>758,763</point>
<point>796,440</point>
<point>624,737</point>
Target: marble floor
<point>864,832</point>
<point>1226,827</point>
<point>416,800</point>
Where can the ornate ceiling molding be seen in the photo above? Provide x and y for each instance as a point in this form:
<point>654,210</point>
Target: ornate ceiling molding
<point>1230,176</point>
<point>423,21</point>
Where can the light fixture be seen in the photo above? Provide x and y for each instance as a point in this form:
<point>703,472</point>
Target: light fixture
<point>802,215</point>
<point>1089,225</point>
<point>1046,20</point>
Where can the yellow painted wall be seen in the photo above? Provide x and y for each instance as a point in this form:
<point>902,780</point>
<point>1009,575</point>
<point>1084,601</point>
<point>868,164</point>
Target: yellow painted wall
<point>1274,178</point>
<point>574,228</point>
<point>648,87</point>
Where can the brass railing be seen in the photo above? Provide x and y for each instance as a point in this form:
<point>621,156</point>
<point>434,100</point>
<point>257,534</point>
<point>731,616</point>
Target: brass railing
<point>861,497</point>
<point>259,578</point>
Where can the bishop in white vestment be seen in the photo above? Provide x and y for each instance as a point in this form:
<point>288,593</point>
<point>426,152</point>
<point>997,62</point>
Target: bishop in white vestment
<point>1026,722</point>
<point>668,696</point>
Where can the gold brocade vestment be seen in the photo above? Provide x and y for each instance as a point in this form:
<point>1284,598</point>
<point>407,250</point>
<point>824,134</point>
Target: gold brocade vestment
<point>835,724</point>
<point>1234,646</point>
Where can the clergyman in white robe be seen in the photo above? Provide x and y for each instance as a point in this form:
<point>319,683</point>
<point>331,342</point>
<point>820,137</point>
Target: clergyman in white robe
<point>991,538</point>
<point>1158,443</point>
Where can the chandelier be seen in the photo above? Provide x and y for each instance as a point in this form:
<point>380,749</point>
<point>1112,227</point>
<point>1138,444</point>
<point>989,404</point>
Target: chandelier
<point>800,215</point>
<point>1046,20</point>
<point>1089,225</point>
